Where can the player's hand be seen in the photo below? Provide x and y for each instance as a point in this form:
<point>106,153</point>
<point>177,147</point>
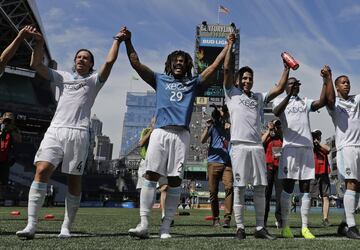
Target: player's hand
<point>325,71</point>
<point>127,34</point>
<point>286,67</point>
<point>121,36</point>
<point>27,31</point>
<point>230,38</point>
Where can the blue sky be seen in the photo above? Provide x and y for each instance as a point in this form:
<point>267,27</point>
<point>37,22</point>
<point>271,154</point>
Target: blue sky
<point>314,32</point>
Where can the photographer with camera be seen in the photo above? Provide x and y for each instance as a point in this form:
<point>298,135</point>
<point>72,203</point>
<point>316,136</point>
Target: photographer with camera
<point>219,165</point>
<point>272,142</point>
<point>320,186</point>
<point>8,135</point>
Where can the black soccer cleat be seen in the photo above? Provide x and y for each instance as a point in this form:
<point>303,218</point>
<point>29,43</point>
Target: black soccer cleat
<point>353,233</point>
<point>240,234</point>
<point>264,234</point>
<point>342,228</point>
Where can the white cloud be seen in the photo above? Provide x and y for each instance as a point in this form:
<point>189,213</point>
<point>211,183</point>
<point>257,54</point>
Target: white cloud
<point>350,12</point>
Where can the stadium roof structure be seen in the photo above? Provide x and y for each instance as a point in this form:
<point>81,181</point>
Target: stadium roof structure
<point>14,15</point>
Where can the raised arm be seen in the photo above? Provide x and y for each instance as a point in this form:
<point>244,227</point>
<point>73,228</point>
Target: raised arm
<point>330,92</point>
<point>228,66</point>
<point>112,55</point>
<point>279,109</point>
<point>267,132</point>
<point>217,62</point>
<point>327,80</point>
<point>144,72</point>
<point>37,56</point>
<point>10,50</point>
<point>280,87</point>
<point>205,134</point>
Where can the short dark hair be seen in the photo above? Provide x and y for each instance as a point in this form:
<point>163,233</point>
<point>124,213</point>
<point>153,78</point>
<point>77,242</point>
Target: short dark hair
<point>216,115</point>
<point>239,74</point>
<point>338,78</point>
<point>188,62</point>
<point>91,58</point>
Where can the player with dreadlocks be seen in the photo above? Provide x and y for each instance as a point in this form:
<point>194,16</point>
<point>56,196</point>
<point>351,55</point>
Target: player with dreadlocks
<point>169,141</point>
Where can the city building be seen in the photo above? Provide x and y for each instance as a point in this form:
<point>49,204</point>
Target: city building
<point>140,110</point>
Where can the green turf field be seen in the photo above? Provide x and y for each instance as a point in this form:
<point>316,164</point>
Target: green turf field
<point>106,228</point>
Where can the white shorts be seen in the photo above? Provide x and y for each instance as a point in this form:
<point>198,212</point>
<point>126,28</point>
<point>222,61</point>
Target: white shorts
<point>348,162</point>
<point>248,164</point>
<point>141,172</point>
<point>68,146</point>
<point>297,163</point>
<point>167,151</point>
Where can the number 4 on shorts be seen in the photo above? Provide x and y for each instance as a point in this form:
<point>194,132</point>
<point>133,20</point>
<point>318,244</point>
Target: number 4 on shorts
<point>79,166</point>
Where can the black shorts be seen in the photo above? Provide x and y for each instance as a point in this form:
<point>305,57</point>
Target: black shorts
<point>4,173</point>
<point>320,186</point>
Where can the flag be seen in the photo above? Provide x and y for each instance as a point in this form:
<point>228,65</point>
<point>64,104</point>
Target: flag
<point>223,9</point>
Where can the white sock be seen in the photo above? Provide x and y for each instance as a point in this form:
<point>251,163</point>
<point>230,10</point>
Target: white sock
<point>171,203</point>
<point>259,203</point>
<point>349,207</point>
<point>72,203</point>
<point>147,199</point>
<point>239,206</point>
<point>36,200</point>
<point>285,203</point>
<point>305,207</point>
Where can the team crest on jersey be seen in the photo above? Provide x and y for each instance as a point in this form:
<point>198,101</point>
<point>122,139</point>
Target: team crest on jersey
<point>348,171</point>
<point>237,177</point>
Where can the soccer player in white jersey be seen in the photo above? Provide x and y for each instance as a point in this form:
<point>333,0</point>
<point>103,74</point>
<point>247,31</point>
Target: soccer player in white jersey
<point>176,90</point>
<point>297,158</point>
<point>345,114</point>
<point>66,141</point>
<point>247,153</point>
<point>10,50</point>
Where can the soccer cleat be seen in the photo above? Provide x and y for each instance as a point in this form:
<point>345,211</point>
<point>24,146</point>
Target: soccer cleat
<point>342,228</point>
<point>64,233</point>
<point>226,222</point>
<point>353,233</point>
<point>27,233</point>
<point>216,222</point>
<point>165,236</point>
<point>325,222</point>
<point>240,234</point>
<point>286,233</point>
<point>305,232</point>
<point>263,234</point>
<point>140,232</point>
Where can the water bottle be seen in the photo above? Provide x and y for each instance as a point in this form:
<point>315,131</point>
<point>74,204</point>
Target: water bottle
<point>290,61</point>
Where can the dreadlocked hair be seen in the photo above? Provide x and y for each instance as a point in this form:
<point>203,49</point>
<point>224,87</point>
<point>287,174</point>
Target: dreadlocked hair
<point>188,62</point>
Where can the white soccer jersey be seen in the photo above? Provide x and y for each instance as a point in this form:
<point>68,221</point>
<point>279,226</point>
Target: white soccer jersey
<point>246,114</point>
<point>295,122</point>
<point>77,96</point>
<point>346,119</point>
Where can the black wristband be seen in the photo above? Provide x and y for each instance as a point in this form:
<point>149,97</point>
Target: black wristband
<point>117,38</point>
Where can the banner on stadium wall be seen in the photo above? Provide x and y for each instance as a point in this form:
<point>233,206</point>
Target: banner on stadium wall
<point>212,42</point>
<point>211,39</point>
<point>201,100</point>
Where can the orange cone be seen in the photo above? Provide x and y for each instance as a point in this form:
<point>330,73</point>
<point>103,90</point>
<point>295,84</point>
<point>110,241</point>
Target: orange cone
<point>209,217</point>
<point>15,213</point>
<point>49,216</point>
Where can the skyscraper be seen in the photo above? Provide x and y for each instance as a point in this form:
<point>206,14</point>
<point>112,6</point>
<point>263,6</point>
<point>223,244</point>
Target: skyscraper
<point>140,110</point>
